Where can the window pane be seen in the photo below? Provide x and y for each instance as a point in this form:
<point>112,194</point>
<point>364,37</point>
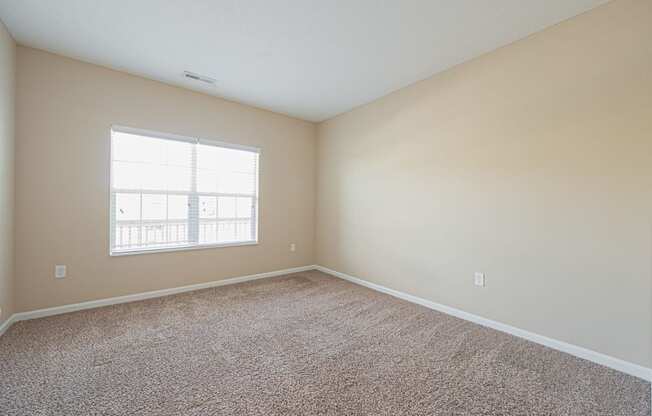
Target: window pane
<point>177,207</point>
<point>226,232</point>
<point>208,232</point>
<point>179,153</point>
<point>243,230</point>
<point>207,157</point>
<point>154,207</point>
<point>233,170</point>
<point>126,175</point>
<point>153,177</point>
<point>134,148</point>
<point>178,178</point>
<point>226,207</point>
<point>177,232</point>
<point>243,207</point>
<point>174,214</point>
<point>153,234</point>
<point>127,207</point>
<point>207,207</point>
<point>127,234</point>
<point>206,181</point>
<point>236,183</point>
<point>233,160</point>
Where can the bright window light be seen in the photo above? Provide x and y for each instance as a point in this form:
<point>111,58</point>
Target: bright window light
<point>170,192</point>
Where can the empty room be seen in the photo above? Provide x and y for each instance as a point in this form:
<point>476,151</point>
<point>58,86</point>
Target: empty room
<point>335,207</point>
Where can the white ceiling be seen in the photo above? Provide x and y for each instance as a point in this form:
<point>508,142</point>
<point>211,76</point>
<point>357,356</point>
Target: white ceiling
<point>311,59</point>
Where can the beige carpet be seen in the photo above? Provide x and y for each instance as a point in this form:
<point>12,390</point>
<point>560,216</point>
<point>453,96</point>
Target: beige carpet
<point>303,344</point>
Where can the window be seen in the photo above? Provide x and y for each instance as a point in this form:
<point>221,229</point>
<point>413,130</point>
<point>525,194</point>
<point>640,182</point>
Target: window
<point>171,192</point>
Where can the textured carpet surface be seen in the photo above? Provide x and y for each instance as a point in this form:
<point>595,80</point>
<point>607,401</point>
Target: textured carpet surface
<point>302,344</point>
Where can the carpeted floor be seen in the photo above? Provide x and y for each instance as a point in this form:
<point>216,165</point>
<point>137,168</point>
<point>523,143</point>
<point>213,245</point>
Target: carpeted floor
<point>302,344</point>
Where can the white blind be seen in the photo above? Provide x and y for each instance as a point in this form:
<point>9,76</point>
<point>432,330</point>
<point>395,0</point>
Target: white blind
<point>172,192</point>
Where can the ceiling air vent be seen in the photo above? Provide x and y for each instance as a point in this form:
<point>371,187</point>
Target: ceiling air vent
<point>197,77</point>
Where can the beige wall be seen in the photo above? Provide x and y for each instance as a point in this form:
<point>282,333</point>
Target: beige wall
<point>7,90</point>
<point>65,109</point>
<point>532,164</point>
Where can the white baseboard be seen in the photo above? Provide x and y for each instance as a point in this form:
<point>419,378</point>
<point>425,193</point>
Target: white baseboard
<point>596,357</point>
<point>57,310</point>
<point>6,324</point>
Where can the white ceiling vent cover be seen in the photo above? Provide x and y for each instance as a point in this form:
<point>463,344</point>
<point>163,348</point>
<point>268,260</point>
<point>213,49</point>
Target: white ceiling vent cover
<point>197,77</point>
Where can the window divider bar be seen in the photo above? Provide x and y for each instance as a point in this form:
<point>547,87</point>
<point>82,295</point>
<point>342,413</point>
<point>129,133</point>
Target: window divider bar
<point>193,200</point>
<point>165,192</point>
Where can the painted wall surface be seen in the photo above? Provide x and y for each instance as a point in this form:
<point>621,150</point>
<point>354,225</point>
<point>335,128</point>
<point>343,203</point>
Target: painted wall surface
<point>532,164</point>
<point>65,109</point>
<point>7,94</point>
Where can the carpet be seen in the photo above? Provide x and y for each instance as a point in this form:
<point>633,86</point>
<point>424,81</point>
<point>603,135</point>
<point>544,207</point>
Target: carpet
<point>301,344</point>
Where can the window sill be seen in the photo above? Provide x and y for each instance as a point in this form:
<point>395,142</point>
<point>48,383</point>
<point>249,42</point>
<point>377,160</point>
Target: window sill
<point>179,248</point>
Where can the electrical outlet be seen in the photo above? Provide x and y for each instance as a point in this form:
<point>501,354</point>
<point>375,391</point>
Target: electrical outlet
<point>293,247</point>
<point>479,279</point>
<point>59,271</point>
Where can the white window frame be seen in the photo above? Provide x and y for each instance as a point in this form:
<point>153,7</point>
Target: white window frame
<point>194,140</point>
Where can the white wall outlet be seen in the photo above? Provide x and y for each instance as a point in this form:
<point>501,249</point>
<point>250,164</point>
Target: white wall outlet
<point>60,271</point>
<point>479,279</point>
<point>293,247</point>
